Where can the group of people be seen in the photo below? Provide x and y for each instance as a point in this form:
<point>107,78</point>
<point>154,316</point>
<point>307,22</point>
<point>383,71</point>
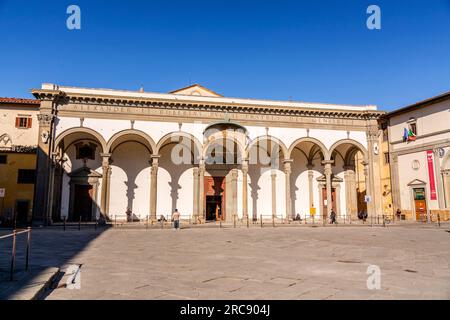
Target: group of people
<point>162,218</point>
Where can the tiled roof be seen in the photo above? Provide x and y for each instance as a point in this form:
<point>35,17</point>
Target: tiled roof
<point>19,101</point>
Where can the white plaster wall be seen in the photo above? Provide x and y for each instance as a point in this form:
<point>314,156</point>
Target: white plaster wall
<point>107,127</point>
<point>65,195</point>
<point>430,119</point>
<point>130,180</point>
<point>19,137</point>
<point>407,174</point>
<point>64,123</point>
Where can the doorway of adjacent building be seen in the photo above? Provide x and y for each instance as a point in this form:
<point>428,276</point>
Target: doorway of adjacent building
<point>325,202</point>
<point>83,202</point>
<point>420,204</point>
<point>22,208</point>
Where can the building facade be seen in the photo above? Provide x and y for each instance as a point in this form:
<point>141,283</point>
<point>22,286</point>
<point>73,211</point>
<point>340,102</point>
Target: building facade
<point>18,143</point>
<point>105,153</point>
<point>419,146</point>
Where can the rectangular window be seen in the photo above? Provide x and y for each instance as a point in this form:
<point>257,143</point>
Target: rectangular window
<point>23,122</point>
<point>3,159</point>
<point>386,158</point>
<point>413,127</point>
<point>26,176</point>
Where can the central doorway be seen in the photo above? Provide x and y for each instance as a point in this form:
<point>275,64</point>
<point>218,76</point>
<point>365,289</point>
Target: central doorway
<point>83,200</point>
<point>215,198</point>
<point>214,208</point>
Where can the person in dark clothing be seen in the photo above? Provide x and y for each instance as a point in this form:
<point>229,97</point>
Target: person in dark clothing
<point>332,216</point>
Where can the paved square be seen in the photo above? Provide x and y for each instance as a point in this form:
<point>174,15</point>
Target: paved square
<point>269,263</point>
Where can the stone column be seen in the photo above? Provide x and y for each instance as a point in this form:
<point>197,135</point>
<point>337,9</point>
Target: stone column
<point>40,212</point>
<point>374,176</point>
<point>446,180</point>
<point>104,203</point>
<point>244,190</point>
<point>328,172</point>
<point>195,195</point>
<point>201,196</point>
<point>51,184</point>
<point>367,179</point>
<point>234,193</point>
<point>310,185</point>
<point>273,176</point>
<point>154,186</point>
<point>350,192</point>
<point>287,171</point>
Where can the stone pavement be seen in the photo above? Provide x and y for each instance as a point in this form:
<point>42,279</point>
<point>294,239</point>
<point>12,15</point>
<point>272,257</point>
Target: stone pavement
<point>268,263</point>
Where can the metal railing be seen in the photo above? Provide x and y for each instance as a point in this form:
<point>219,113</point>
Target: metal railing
<point>14,235</point>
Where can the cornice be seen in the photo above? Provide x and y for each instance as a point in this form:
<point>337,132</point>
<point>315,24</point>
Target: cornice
<point>65,99</point>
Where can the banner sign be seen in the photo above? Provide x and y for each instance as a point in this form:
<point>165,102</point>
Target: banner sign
<point>431,174</point>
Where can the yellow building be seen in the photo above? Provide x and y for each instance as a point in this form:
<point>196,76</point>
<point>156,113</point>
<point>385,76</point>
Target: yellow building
<point>18,141</point>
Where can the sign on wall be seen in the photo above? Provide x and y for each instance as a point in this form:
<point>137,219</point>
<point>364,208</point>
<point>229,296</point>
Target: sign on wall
<point>431,174</point>
<point>2,192</point>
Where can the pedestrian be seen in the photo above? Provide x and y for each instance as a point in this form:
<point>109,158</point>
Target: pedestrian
<point>398,213</point>
<point>332,216</point>
<point>176,219</point>
<point>129,214</point>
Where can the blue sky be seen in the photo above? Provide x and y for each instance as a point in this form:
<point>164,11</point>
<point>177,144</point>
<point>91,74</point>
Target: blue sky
<point>318,51</point>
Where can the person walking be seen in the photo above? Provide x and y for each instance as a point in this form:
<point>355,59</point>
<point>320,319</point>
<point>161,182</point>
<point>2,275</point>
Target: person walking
<point>332,217</point>
<point>176,219</point>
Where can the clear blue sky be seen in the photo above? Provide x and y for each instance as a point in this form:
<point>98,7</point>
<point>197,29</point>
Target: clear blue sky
<point>319,51</point>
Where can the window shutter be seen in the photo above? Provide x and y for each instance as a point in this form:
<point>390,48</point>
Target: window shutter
<point>17,122</point>
<point>29,122</point>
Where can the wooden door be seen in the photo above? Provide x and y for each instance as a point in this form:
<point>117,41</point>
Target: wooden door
<point>420,204</point>
<point>325,203</point>
<point>83,202</point>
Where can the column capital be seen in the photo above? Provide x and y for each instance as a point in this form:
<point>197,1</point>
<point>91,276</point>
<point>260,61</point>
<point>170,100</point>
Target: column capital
<point>327,162</point>
<point>105,155</point>
<point>349,168</point>
<point>309,166</point>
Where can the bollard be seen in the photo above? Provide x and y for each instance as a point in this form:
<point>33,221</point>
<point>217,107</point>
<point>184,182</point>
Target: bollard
<point>220,223</point>
<point>79,223</point>
<point>344,219</point>
<point>146,225</point>
<point>273,221</point>
<point>234,221</point>
<point>247,223</point>
<point>384,222</point>
<point>13,256</point>
<point>27,257</point>
<point>313,219</point>
<point>115,220</point>
<point>95,225</point>
<point>261,221</point>
<point>64,223</point>
<point>439,220</point>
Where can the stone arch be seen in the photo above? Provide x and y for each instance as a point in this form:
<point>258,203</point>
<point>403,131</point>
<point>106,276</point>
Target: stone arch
<point>270,138</point>
<point>79,130</point>
<point>322,147</point>
<point>196,142</point>
<point>351,142</point>
<point>149,143</point>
